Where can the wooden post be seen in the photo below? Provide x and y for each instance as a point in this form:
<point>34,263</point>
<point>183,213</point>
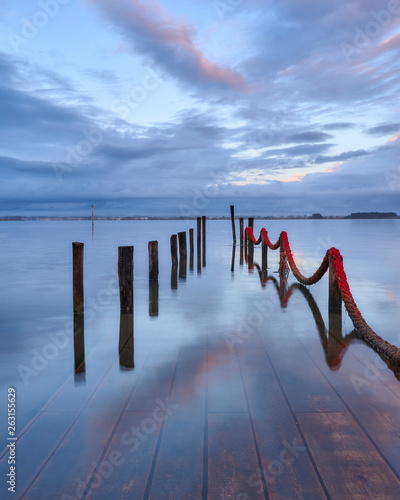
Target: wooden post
<point>182,244</point>
<point>264,255</point>
<point>251,224</point>
<point>174,249</point>
<point>153,260</point>
<point>241,256</point>
<point>203,219</point>
<point>125,277</point>
<point>198,233</point>
<point>77,277</point>
<point>198,245</point>
<point>191,246</point>
<point>335,297</point>
<point>281,254</point>
<point>233,224</point>
<point>241,224</point>
<point>191,239</point>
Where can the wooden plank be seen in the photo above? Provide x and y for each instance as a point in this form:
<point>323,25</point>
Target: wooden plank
<point>349,464</point>
<point>124,470</point>
<point>375,406</point>
<point>305,387</point>
<point>155,382</point>
<point>233,470</point>
<point>225,386</point>
<point>288,470</point>
<point>72,464</point>
<point>178,470</point>
<point>36,446</point>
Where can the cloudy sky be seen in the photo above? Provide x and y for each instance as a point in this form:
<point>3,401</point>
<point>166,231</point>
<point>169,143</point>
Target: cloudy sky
<point>180,107</point>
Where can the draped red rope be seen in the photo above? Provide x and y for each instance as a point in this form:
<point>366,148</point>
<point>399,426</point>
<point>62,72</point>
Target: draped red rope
<point>390,351</point>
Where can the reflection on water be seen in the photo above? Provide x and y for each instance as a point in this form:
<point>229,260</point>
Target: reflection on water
<point>126,341</point>
<point>153,298</point>
<point>79,346</point>
<point>333,342</point>
<point>283,379</point>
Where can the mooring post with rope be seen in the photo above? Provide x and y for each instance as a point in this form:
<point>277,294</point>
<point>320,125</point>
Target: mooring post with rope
<point>241,224</point>
<point>264,255</point>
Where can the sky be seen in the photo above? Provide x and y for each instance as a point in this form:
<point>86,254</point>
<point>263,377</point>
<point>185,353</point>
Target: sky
<point>173,107</point>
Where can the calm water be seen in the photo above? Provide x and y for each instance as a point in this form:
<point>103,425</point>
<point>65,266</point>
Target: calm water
<point>194,347</point>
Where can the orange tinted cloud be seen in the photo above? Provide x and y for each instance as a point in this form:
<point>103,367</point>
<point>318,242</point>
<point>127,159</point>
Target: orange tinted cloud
<point>168,42</point>
<point>295,178</point>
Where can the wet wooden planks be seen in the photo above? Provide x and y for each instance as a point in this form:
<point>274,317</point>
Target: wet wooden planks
<point>289,472</point>
<point>349,464</point>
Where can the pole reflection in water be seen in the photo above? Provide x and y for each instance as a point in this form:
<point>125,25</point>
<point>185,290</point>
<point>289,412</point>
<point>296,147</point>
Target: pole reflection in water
<point>174,276</point>
<point>182,268</point>
<point>198,260</point>
<point>333,343</point>
<point>250,257</point>
<point>79,347</point>
<point>153,298</point>
<point>191,260</point>
<point>126,341</point>
<point>233,258</point>
<point>241,255</point>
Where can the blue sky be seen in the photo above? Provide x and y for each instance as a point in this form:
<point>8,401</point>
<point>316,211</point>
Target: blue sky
<point>182,108</point>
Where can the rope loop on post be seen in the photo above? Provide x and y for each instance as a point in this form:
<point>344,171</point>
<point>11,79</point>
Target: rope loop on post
<point>390,351</point>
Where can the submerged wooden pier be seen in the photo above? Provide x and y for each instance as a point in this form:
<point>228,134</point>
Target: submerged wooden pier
<point>260,396</point>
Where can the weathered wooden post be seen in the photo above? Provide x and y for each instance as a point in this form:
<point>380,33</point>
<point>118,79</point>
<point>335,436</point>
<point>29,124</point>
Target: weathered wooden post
<point>191,239</point>
<point>204,239</point>
<point>174,249</point>
<point>233,224</point>
<point>281,254</point>
<point>251,224</point>
<point>335,297</point>
<point>125,277</point>
<point>251,244</point>
<point>77,277</point>
<point>241,224</point>
<point>153,278</point>
<point>126,342</point>
<point>264,254</point>
<point>198,245</point>
<point>191,249</point>
<point>153,260</point>
<point>182,244</point>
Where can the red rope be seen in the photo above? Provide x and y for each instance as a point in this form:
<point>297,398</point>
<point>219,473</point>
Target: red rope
<point>390,351</point>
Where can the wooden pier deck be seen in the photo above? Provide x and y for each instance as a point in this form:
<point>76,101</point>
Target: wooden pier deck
<point>213,411</point>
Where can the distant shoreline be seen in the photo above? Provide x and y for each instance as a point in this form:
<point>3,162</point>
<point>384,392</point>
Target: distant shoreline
<point>355,216</point>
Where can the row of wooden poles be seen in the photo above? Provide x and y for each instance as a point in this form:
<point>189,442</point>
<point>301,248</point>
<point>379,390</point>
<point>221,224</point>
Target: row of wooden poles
<point>125,267</point>
<point>335,297</point>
